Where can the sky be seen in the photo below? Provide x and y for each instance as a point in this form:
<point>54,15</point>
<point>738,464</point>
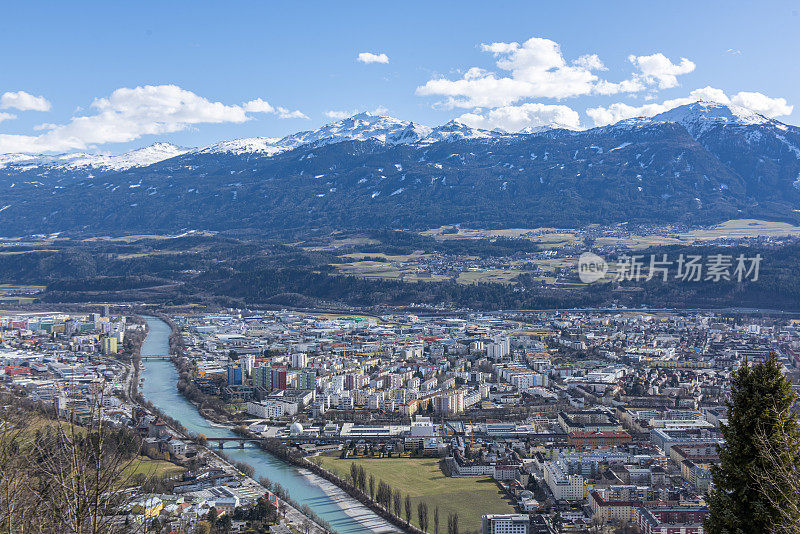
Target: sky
<point>109,77</point>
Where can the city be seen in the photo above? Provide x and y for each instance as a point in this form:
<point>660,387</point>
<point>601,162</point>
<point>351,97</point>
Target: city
<point>563,421</point>
<point>421,267</point>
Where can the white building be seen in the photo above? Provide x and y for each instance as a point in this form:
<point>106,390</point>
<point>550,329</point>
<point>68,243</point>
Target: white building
<point>564,486</point>
<point>299,360</point>
<point>177,447</point>
<point>506,524</point>
<point>271,409</point>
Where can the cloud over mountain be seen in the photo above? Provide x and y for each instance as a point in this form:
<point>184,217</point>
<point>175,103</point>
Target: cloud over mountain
<point>129,113</point>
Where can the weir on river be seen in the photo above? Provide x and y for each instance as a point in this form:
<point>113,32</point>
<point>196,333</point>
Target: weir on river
<point>160,379</point>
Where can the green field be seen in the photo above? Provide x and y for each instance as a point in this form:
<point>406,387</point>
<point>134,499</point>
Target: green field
<point>153,468</point>
<point>422,479</point>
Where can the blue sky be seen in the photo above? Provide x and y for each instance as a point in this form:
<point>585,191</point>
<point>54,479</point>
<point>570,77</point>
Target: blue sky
<point>203,61</point>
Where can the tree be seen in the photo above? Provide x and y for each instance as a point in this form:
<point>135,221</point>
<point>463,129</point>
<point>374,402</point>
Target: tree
<point>397,502</point>
<point>452,523</point>
<point>408,509</point>
<point>224,524</point>
<point>354,474</point>
<point>372,487</point>
<point>75,471</point>
<point>422,515</point>
<point>384,495</point>
<point>761,434</point>
<point>436,520</point>
<point>362,479</point>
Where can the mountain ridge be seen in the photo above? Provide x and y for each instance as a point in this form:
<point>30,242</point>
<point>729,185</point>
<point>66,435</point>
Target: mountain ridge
<point>698,165</point>
<point>365,125</point>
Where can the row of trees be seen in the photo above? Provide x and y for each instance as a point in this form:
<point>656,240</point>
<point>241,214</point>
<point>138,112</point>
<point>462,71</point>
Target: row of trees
<point>393,501</point>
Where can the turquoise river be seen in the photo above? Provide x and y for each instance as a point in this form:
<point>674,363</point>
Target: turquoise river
<point>160,380</point>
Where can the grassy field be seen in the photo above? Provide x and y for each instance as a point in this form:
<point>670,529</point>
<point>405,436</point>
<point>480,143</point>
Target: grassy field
<point>489,275</point>
<point>422,480</point>
<point>140,465</point>
<point>736,228</point>
<point>150,468</point>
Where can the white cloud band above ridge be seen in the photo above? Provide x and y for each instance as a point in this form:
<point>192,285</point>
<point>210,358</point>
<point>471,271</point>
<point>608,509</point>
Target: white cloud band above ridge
<point>757,102</point>
<point>537,69</point>
<point>129,113</point>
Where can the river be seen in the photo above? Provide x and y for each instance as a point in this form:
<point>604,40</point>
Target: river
<point>160,379</point>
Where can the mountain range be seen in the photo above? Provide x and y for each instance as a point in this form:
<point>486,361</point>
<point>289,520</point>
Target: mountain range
<point>700,163</point>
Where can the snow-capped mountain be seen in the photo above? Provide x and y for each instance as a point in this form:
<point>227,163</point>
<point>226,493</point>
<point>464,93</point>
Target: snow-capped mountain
<point>698,117</point>
<point>141,157</point>
<point>700,163</point>
<point>266,146</point>
<point>458,131</point>
<point>360,127</point>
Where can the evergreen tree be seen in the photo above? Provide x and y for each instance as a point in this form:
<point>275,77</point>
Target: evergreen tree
<point>752,492</point>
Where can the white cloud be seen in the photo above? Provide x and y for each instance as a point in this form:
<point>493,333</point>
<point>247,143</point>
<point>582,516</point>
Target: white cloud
<point>6,116</point>
<point>536,69</point>
<point>632,85</point>
<point>129,113</point>
<point>529,115</point>
<point>590,62</point>
<point>369,57</point>
<point>760,103</point>
<point>500,48</point>
<point>284,113</point>
<point>258,106</point>
<point>734,51</point>
<point>339,114</point>
<point>657,68</point>
<point>262,106</point>
<point>23,101</point>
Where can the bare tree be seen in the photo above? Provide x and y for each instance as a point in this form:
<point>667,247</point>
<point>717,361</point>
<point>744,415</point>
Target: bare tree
<point>64,477</point>
<point>408,509</point>
<point>16,505</point>
<point>780,484</point>
<point>78,472</point>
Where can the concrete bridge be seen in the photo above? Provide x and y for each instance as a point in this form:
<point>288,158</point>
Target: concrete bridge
<point>238,440</point>
<point>156,357</point>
